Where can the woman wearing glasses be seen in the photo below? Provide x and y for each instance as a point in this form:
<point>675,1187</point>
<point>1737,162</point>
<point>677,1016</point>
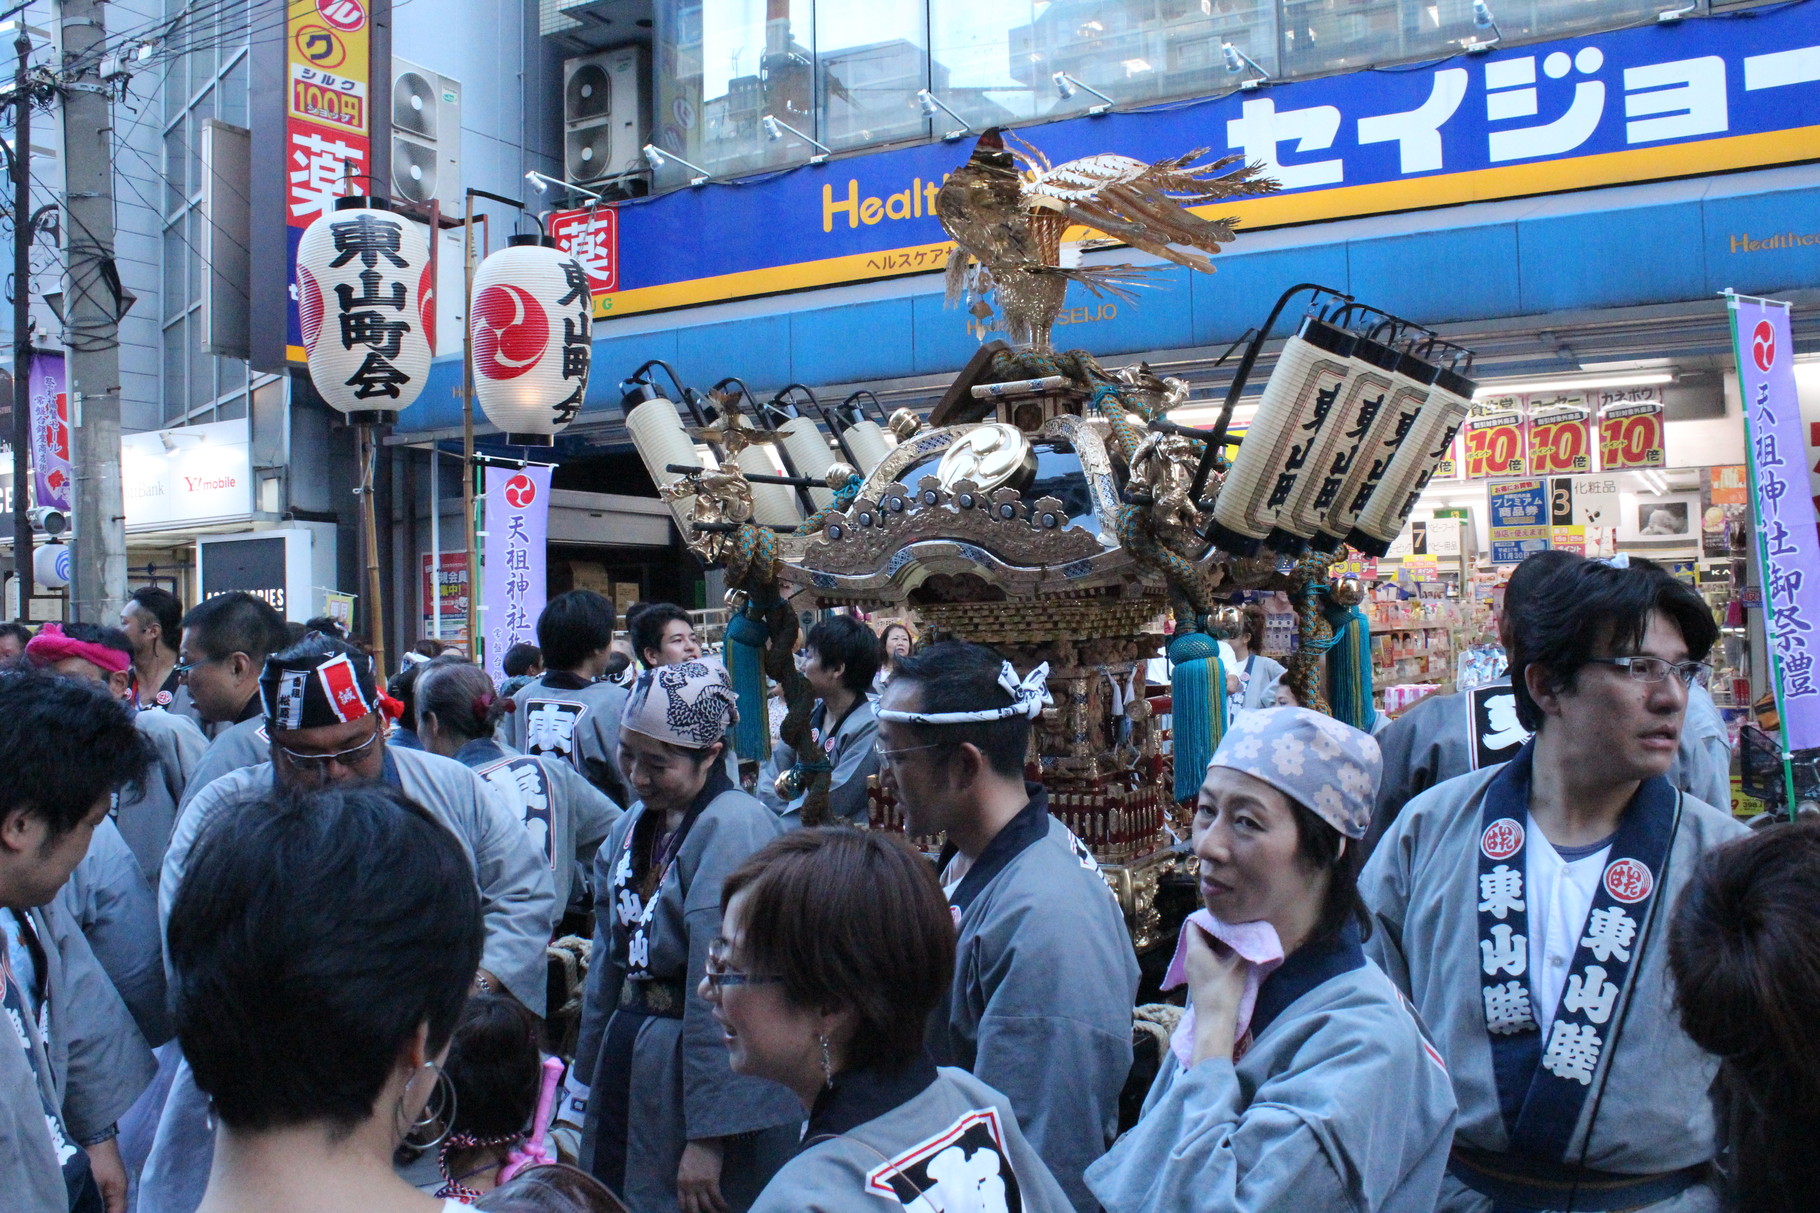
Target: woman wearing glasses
<point>669,1126</point>
<point>835,946</point>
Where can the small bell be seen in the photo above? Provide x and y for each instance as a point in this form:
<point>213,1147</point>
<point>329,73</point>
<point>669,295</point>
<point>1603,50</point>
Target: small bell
<point>790,784</point>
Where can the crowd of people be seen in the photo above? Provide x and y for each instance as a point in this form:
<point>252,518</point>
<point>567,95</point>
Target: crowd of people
<point>278,933</point>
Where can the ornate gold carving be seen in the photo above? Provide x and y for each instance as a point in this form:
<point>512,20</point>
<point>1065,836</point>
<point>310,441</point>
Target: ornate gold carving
<point>720,495</point>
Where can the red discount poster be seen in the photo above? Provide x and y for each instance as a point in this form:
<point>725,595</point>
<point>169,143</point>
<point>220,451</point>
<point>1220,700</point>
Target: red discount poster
<point>1630,429</point>
<point>1560,438</point>
<point>1495,445</point>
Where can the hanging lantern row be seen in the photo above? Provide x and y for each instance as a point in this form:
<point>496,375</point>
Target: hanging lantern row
<point>363,297</point>
<point>363,282</point>
<point>532,326</point>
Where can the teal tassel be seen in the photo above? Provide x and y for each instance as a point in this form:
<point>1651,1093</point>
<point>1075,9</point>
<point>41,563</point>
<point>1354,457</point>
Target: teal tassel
<point>1349,669</point>
<point>746,637</point>
<point>1198,687</point>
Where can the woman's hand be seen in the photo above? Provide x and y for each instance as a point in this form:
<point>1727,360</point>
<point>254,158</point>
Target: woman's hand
<point>698,1178</point>
<point>1216,979</point>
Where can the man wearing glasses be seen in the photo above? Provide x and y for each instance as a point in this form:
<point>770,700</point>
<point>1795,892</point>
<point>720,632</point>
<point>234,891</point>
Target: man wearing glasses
<point>1523,908</point>
<point>1045,977</point>
<point>225,642</point>
<point>327,724</point>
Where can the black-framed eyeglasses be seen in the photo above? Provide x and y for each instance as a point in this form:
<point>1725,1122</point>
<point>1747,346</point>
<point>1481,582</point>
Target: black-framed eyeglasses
<point>1655,669</point>
<point>320,762</point>
<point>720,974</point>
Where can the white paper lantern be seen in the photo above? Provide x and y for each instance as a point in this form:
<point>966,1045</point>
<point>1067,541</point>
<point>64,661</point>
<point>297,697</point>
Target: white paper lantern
<point>532,321</point>
<point>363,279</point>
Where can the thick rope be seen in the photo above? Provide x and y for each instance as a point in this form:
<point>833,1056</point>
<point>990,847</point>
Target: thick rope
<point>843,497</point>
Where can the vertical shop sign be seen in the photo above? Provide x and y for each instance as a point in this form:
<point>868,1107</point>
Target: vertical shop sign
<point>328,123</point>
<point>592,238</point>
<point>1630,429</point>
<point>48,387</point>
<point>1560,436</point>
<point>1519,520</point>
<point>517,526</point>
<point>1788,547</point>
<point>445,596</point>
<point>1495,444</point>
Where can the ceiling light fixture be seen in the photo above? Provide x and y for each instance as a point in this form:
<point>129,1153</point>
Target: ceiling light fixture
<point>1535,387</point>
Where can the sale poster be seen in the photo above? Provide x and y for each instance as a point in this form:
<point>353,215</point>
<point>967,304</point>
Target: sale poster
<point>1631,433</point>
<point>1495,442</point>
<point>1519,513</point>
<point>1560,436</point>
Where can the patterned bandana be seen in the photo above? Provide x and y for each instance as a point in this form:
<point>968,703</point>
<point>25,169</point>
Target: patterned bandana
<point>1328,767</point>
<point>690,704</point>
<point>316,691</point>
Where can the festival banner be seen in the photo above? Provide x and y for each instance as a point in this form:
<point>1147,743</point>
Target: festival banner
<point>1560,435</point>
<point>514,559</point>
<point>328,123</point>
<point>1631,434</point>
<point>47,385</point>
<point>1788,546</point>
<point>1494,438</point>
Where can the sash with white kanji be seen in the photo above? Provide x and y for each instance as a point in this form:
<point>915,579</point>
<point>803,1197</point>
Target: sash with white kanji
<point>1492,726</point>
<point>1542,1085</point>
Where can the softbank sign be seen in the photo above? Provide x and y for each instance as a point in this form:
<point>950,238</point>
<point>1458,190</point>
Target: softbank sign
<point>189,475</point>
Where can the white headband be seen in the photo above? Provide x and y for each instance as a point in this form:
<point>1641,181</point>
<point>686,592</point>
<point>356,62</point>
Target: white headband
<point>1028,698</point>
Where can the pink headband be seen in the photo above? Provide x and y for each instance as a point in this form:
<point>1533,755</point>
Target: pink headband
<point>50,646</point>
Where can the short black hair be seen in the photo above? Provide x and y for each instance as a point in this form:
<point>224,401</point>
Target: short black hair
<point>403,688</point>
<point>496,1067</point>
<point>237,622</point>
<point>68,744</point>
<point>313,933</point>
<point>846,642</point>
<point>1585,605</point>
<point>1320,846</point>
<point>18,631</point>
<point>955,676</point>
<point>166,608</point>
<point>573,627</point>
<point>645,623</point>
<point>519,659</point>
<point>328,625</point>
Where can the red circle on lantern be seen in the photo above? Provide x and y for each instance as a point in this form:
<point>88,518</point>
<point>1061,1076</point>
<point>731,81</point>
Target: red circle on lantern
<point>1763,345</point>
<point>511,331</point>
<point>520,491</point>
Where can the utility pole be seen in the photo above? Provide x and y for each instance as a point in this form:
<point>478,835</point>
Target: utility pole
<point>21,163</point>
<point>92,316</point>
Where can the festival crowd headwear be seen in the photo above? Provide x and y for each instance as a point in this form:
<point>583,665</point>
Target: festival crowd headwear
<point>315,690</point>
<point>1029,697</point>
<point>50,646</point>
<point>689,704</point>
<point>1326,766</point>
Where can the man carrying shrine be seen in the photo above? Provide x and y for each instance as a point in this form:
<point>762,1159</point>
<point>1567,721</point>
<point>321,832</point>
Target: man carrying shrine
<point>1524,909</point>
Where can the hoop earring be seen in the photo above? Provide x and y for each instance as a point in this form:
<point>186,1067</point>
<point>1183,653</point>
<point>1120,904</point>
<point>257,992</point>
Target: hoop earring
<point>440,1107</point>
<point>827,1064</point>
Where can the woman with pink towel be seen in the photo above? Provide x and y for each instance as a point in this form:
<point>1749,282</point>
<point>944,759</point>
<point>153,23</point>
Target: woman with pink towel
<point>1299,1078</point>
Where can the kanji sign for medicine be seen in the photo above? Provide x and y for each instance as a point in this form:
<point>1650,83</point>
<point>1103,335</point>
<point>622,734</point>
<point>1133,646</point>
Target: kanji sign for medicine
<point>327,121</point>
<point>517,526</point>
<point>592,238</point>
<point>1788,545</point>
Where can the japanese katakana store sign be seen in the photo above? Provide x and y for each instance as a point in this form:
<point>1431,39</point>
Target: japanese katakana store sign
<point>1650,103</point>
<point>1788,545</point>
<point>517,526</point>
<point>327,122</point>
<point>1519,520</point>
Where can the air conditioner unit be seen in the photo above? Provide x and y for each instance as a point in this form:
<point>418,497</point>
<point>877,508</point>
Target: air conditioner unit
<point>606,120</point>
<point>426,136</point>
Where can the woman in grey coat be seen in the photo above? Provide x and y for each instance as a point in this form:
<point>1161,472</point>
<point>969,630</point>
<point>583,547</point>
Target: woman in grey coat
<point>669,1126</point>
<point>835,947</point>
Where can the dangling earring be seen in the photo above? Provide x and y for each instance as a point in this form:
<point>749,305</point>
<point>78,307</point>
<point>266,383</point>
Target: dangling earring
<point>439,1107</point>
<point>827,1064</point>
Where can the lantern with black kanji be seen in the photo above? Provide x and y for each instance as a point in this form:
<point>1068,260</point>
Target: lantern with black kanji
<point>531,321</point>
<point>363,286</point>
